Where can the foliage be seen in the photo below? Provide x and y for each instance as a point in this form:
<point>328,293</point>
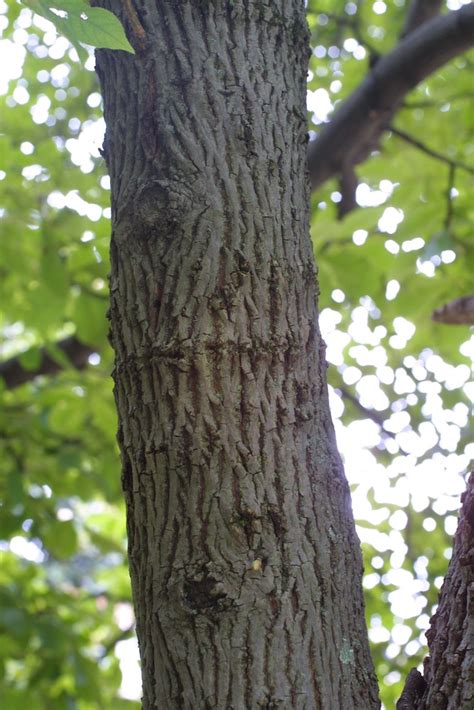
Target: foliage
<point>83,24</point>
<point>398,378</point>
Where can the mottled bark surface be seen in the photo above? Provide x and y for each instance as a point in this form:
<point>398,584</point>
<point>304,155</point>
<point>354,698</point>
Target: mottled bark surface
<point>245,565</point>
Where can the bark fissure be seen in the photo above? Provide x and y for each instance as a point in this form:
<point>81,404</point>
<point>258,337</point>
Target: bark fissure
<point>245,566</point>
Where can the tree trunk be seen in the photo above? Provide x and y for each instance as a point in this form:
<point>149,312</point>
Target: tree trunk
<point>448,679</point>
<point>245,565</point>
<point>449,669</point>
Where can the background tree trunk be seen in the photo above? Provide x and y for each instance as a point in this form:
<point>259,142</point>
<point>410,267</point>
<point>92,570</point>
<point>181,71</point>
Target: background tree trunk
<point>449,669</point>
<point>245,565</point>
<point>448,679</point>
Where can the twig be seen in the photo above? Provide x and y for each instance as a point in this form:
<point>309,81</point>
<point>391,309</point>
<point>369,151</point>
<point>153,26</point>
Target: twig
<point>431,103</point>
<point>110,645</point>
<point>449,198</point>
<point>369,413</point>
<point>351,22</point>
<point>430,151</point>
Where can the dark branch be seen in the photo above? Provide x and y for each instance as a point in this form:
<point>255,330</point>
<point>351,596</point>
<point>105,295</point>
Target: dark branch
<point>419,12</point>
<point>457,312</point>
<point>356,127</point>
<point>14,373</point>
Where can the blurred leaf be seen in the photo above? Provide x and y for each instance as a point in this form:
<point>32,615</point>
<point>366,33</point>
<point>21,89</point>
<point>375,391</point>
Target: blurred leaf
<point>83,23</point>
<point>60,538</point>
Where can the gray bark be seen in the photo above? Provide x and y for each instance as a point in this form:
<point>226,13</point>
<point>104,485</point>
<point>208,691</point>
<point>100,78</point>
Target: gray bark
<point>245,565</point>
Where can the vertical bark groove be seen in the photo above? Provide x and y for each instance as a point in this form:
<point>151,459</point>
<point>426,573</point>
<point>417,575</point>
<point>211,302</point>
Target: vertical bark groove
<point>245,566</point>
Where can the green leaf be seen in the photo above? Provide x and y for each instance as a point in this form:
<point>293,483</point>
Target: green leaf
<point>61,24</point>
<point>31,359</point>
<point>84,24</point>
<point>90,317</point>
<point>60,539</point>
<point>100,28</point>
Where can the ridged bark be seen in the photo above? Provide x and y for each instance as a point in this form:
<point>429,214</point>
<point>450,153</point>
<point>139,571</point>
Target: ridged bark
<point>449,669</point>
<point>245,565</point>
<point>448,679</point>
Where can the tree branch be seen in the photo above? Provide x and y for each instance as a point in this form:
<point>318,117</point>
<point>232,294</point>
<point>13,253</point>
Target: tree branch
<point>431,103</point>
<point>369,413</point>
<point>356,127</point>
<point>448,218</point>
<point>457,312</point>
<point>419,12</point>
<point>121,636</point>
<point>14,373</point>
<point>430,151</point>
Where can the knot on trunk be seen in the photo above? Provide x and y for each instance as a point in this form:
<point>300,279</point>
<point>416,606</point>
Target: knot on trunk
<point>164,202</point>
<point>203,593</point>
<point>161,209</point>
